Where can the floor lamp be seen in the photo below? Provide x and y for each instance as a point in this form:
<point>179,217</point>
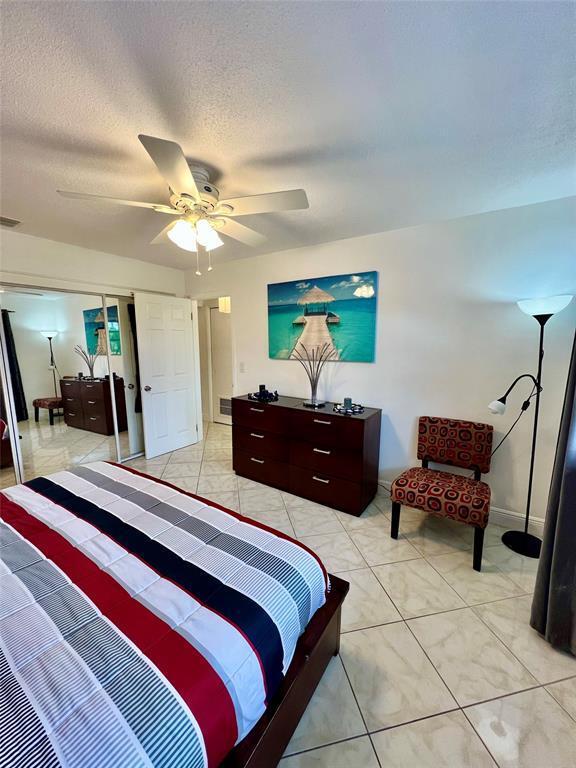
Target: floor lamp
<point>51,335</point>
<point>541,310</point>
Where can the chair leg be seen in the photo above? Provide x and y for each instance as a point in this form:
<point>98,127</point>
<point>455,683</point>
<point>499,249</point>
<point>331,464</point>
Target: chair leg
<point>36,413</point>
<point>51,417</point>
<point>395,519</point>
<point>478,545</point>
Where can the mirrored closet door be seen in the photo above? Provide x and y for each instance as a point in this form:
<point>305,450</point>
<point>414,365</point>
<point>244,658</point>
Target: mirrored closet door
<point>59,373</point>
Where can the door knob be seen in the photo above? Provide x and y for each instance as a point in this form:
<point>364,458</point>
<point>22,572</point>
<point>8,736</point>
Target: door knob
<point>147,388</point>
<point>130,386</point>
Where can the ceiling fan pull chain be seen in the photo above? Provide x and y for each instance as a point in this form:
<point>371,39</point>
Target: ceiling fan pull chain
<point>209,252</point>
<point>198,263</point>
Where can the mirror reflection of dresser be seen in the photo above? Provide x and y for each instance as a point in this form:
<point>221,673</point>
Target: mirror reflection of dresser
<point>87,404</point>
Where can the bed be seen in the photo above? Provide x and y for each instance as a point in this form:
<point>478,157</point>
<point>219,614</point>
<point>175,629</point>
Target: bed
<point>141,625</point>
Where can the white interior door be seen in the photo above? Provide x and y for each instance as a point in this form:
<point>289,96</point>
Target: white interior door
<point>167,372</point>
<point>221,354</point>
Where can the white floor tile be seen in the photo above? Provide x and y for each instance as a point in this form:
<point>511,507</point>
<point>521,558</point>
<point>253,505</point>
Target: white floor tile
<point>443,741</point>
<point>357,753</point>
<point>318,725</point>
<point>526,730</point>
<point>367,604</point>
<point>391,677</point>
<point>510,621</point>
<point>336,551</point>
<point>565,694</point>
<point>416,588</point>
<point>474,587</point>
<point>473,663</point>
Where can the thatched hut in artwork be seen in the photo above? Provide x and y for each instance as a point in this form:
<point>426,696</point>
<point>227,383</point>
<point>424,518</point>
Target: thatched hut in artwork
<point>315,301</point>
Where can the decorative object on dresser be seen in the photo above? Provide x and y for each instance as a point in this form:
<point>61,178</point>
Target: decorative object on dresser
<point>465,444</point>
<point>263,395</point>
<point>328,458</point>
<point>88,357</point>
<point>88,404</point>
<point>313,360</point>
<point>523,542</point>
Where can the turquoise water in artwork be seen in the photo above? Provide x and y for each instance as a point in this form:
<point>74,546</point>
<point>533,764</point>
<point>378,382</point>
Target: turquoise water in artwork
<point>354,337</point>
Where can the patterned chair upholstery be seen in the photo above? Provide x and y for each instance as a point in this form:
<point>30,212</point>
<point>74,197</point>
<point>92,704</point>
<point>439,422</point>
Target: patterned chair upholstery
<point>457,443</point>
<point>50,403</point>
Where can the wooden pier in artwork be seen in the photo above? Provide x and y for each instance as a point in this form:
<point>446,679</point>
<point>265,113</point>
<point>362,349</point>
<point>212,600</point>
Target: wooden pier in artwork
<point>316,332</point>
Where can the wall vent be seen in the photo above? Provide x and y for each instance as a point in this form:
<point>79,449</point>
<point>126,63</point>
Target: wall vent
<point>226,406</point>
<point>6,222</point>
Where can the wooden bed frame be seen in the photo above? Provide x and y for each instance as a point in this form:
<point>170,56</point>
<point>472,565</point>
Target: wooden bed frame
<point>265,744</point>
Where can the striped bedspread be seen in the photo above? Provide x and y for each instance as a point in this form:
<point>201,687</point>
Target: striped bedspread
<point>140,625</point>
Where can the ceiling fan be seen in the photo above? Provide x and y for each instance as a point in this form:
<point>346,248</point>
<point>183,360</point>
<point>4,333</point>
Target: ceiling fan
<point>196,201</point>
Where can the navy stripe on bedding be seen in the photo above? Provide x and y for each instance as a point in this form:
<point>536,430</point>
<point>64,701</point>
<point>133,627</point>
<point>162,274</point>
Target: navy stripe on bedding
<point>280,570</point>
<point>236,607</point>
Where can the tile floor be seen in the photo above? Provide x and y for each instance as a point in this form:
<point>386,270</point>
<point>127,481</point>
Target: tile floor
<point>438,667</point>
<point>47,449</point>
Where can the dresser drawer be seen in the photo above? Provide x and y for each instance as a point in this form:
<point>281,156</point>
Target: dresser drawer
<point>94,406</point>
<point>269,444</point>
<point>69,388</point>
<point>259,467</point>
<point>327,429</point>
<point>97,422</point>
<point>71,403</point>
<point>74,418</point>
<point>329,461</point>
<point>330,491</point>
<point>259,416</point>
<point>93,390</point>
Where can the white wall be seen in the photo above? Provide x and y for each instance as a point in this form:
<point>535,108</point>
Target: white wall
<point>449,336</point>
<point>28,260</point>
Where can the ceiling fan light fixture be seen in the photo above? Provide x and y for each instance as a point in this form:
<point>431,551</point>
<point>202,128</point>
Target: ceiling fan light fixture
<point>183,235</point>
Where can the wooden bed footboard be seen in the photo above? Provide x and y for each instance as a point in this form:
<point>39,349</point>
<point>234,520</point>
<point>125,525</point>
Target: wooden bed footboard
<point>265,744</point>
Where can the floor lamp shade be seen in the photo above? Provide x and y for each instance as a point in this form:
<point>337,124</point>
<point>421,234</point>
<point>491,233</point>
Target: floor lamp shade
<point>49,334</point>
<point>546,306</point>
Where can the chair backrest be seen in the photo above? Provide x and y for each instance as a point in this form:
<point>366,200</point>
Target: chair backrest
<point>466,444</point>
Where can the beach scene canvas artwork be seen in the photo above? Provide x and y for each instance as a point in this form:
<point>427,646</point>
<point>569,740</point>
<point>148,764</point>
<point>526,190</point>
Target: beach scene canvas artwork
<point>339,310</point>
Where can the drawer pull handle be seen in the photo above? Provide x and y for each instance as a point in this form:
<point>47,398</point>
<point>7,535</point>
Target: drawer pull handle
<point>253,434</point>
<point>320,421</point>
<point>319,450</point>
<point>89,386</point>
<point>93,418</point>
<point>91,402</point>
<point>257,410</point>
<point>70,399</point>
<point>258,461</point>
<point>71,414</point>
<point>320,480</point>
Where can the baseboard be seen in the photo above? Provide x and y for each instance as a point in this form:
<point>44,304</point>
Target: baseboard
<point>514,521</point>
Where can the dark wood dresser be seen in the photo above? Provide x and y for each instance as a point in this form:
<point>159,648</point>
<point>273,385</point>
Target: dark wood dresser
<point>318,454</point>
<point>88,404</point>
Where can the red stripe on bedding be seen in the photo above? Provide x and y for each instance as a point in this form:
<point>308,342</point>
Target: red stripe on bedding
<point>188,671</point>
<point>237,515</point>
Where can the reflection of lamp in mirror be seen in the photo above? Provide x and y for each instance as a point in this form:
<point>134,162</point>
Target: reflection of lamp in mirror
<point>52,365</point>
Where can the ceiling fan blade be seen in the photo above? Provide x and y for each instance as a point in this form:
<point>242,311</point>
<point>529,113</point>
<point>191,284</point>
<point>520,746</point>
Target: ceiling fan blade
<point>160,207</point>
<point>273,202</point>
<point>162,237</point>
<point>170,161</point>
<point>241,233</point>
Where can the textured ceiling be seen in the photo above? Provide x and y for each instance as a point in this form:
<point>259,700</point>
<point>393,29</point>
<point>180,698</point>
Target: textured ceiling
<point>388,114</point>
